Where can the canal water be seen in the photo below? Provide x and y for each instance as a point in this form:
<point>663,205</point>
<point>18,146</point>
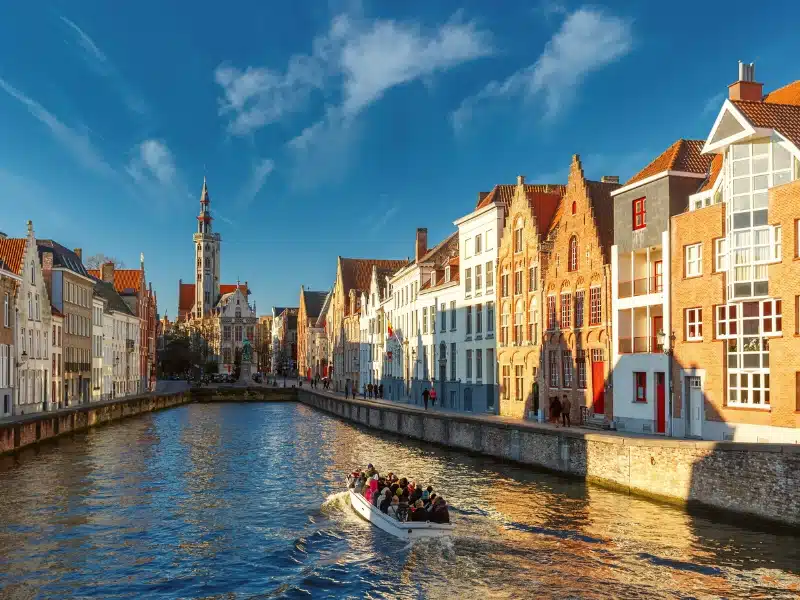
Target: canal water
<point>244,501</point>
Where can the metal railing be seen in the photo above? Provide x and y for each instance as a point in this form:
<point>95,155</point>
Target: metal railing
<point>639,345</point>
<point>641,286</point>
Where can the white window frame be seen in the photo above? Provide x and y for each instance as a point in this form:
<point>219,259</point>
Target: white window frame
<point>694,265</point>
<point>694,316</point>
<point>720,255</point>
<point>468,280</point>
<point>489,276</point>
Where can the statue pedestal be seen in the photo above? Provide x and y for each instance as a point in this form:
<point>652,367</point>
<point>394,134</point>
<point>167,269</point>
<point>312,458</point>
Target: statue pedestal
<point>245,373</point>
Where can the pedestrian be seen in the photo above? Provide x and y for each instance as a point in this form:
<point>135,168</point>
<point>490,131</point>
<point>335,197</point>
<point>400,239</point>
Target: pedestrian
<point>433,398</point>
<point>565,408</point>
<point>555,410</point>
<point>380,391</point>
<point>425,395</point>
<point>364,391</point>
<point>369,390</point>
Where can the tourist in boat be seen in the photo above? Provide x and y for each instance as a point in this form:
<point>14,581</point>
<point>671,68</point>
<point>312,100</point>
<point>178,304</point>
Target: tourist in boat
<point>418,512</point>
<point>387,500</point>
<point>439,512</point>
<point>394,508</point>
<point>416,493</point>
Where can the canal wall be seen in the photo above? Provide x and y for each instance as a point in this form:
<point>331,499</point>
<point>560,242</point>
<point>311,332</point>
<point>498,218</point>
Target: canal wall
<point>761,480</point>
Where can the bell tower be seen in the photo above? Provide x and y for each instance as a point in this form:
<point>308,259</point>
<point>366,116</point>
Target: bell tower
<point>206,251</point>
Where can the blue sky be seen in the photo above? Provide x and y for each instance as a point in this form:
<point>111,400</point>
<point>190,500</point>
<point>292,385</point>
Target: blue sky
<point>337,128</point>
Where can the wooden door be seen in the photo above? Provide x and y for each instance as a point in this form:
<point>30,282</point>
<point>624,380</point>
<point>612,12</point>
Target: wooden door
<point>661,404</point>
<point>658,277</point>
<point>598,388</point>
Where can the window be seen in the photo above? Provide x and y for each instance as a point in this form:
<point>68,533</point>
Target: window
<point>506,384</point>
<point>640,386</point>
<point>595,307</point>
<point>694,324</point>
<point>518,239</point>
<point>469,365</point>
<point>489,317</point>
<point>777,245</point>
<point>504,285</point>
<point>467,281</point>
<point>639,221</point>
<point>551,312</point>
<point>490,366</point>
<point>453,361</point>
<point>226,333</point>
<point>518,382</point>
<point>518,320</point>
<point>468,322</point>
<point>720,255</point>
<point>566,311</point>
<point>580,362</point>
<point>479,318</point>
<point>433,319</point>
<point>572,264</point>
<point>478,365</point>
<point>518,282</point>
<point>477,278</point>
<point>443,317</point>
<point>489,276</point>
<point>574,207</point>
<point>453,314</point>
<point>552,362</point>
<point>6,310</point>
<point>533,322</point>
<point>694,260</point>
<point>504,326</point>
<point>424,319</point>
<point>580,296</point>
<point>468,247</point>
<point>478,244</point>
<point>532,279</point>
<point>33,273</point>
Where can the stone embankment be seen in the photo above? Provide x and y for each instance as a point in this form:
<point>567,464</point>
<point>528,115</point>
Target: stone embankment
<point>762,480</point>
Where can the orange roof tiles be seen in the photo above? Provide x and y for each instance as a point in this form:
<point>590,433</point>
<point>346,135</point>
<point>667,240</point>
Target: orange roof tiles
<point>186,296</point>
<point>784,118</point>
<point>713,173</point>
<point>357,272</point>
<point>12,252</point>
<point>788,94</point>
<point>226,288</point>
<point>503,193</point>
<point>683,155</point>
<point>126,281</point>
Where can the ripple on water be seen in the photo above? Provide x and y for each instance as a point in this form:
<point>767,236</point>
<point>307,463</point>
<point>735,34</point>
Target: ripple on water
<point>246,501</point>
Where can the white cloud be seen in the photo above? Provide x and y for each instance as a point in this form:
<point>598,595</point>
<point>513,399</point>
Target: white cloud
<point>98,61</point>
<point>153,163</point>
<point>713,104</point>
<point>588,40</point>
<point>75,142</point>
<point>261,170</point>
<point>379,222</point>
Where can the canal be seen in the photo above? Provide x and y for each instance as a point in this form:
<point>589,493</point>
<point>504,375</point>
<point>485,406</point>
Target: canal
<point>240,501</point>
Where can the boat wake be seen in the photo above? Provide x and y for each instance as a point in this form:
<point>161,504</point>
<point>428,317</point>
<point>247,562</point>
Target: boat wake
<point>340,501</point>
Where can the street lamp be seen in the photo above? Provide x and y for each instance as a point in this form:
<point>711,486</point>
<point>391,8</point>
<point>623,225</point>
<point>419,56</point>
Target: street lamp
<point>668,350</point>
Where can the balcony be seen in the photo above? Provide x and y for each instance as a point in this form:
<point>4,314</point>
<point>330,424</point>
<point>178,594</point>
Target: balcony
<point>640,345</point>
<point>641,287</point>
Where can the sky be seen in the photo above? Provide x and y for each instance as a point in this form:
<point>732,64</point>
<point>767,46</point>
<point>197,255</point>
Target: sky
<point>336,128</point>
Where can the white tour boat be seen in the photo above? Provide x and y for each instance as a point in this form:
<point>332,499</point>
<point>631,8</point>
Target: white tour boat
<point>405,530</point>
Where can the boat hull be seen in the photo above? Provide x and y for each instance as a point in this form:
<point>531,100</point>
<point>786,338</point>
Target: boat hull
<point>405,531</point>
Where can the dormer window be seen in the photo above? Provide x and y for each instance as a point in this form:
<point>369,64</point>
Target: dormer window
<point>433,278</point>
<point>447,274</point>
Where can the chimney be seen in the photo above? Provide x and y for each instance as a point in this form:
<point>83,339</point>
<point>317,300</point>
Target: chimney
<point>481,196</point>
<point>520,179</point>
<point>79,253</point>
<point>422,242</point>
<point>746,88</point>
<point>610,179</point>
<point>107,272</point>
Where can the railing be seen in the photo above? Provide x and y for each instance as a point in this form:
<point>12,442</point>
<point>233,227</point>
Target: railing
<point>641,286</point>
<point>639,345</point>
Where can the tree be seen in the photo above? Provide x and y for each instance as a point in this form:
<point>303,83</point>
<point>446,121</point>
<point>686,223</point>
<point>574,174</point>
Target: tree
<point>178,356</point>
<point>96,261</point>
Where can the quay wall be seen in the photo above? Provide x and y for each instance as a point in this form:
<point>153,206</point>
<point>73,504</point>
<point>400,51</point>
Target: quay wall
<point>758,480</point>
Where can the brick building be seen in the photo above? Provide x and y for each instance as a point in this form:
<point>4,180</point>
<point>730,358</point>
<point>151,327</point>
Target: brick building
<point>308,312</point>
<point>9,283</point>
<point>519,268</point>
<point>577,297</point>
<point>736,275</point>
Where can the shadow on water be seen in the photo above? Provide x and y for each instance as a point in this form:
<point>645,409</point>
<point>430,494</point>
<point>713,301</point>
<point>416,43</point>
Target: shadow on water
<point>246,501</point>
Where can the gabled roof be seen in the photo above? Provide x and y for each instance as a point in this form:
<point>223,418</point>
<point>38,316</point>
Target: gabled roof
<point>603,209</point>
<point>313,302</point>
<point>12,253</point>
<point>504,193</point>
<point>357,272</point>
<point>784,118</point>
<point>683,155</point>
<point>441,252</point>
<point>713,172</point>
<point>323,313</point>
<point>126,281</point>
<point>109,293</point>
<point>185,296</point>
<point>227,288</point>
<point>62,257</point>
<point>788,94</point>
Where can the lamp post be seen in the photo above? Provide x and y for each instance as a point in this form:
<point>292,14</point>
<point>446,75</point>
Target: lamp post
<point>668,350</point>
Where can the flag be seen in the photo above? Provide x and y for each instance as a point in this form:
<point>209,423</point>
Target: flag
<point>390,331</point>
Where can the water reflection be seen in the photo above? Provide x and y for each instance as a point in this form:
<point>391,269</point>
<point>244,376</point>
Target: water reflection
<point>244,501</point>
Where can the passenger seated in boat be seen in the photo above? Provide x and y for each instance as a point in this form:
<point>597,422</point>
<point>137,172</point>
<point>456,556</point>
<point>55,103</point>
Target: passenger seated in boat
<point>439,512</point>
<point>370,470</point>
<point>386,501</point>
<point>426,498</point>
<point>418,512</point>
<point>372,487</point>
<point>392,511</point>
<point>402,506</point>
<point>416,494</point>
<point>354,477</point>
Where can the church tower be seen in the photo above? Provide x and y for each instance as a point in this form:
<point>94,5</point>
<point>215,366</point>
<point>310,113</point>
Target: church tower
<point>206,246</point>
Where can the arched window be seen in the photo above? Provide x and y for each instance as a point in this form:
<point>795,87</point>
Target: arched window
<point>33,273</point>
<point>519,318</point>
<point>533,321</point>
<point>573,253</point>
<point>208,262</point>
<point>504,317</point>
<point>574,207</point>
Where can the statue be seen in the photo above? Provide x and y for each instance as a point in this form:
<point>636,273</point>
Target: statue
<point>247,352</point>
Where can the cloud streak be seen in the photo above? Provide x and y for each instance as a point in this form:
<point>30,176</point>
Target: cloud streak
<point>77,143</point>
<point>261,170</point>
<point>588,40</point>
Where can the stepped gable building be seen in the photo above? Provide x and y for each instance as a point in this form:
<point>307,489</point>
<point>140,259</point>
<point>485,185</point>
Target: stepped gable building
<point>577,297</point>
<point>520,258</point>
<point>353,276</point>
<point>318,341</point>
<point>736,275</point>
<point>640,283</point>
<point>310,306</point>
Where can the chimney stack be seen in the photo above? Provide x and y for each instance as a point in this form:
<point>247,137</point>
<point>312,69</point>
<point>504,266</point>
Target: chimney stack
<point>610,179</point>
<point>422,242</point>
<point>746,87</point>
<point>481,196</point>
<point>107,272</point>
<point>520,179</point>
<point>79,253</point>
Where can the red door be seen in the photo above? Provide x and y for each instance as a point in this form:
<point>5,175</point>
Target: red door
<point>598,388</point>
<point>661,404</point>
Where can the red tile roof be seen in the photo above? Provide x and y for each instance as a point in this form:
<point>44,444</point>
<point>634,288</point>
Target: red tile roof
<point>225,288</point>
<point>788,94</point>
<point>12,252</point>
<point>713,173</point>
<point>357,272</point>
<point>186,294</point>
<point>504,193</point>
<point>784,118</point>
<point>683,155</point>
<point>126,281</point>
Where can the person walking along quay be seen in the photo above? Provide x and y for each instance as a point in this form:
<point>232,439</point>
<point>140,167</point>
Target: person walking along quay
<point>425,395</point>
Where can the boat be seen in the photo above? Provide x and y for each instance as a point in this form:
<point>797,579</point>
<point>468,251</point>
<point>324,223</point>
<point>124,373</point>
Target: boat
<point>405,530</point>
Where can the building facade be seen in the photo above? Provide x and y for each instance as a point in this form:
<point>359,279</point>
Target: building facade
<point>577,299</point>
<point>237,322</point>
<point>641,275</point>
<point>57,359</point>
<point>307,314</point>
<point>10,281</point>
<point>98,309</point>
